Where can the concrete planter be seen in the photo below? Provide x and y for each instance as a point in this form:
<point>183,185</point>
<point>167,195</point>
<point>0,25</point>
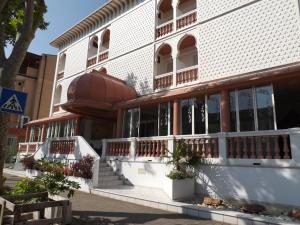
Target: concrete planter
<point>85,184</point>
<point>179,189</point>
<point>56,212</point>
<point>32,173</point>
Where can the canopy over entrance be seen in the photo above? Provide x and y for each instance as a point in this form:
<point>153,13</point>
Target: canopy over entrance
<point>95,94</point>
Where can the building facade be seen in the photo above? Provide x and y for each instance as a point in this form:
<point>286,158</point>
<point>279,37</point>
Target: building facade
<point>135,76</point>
<point>36,77</point>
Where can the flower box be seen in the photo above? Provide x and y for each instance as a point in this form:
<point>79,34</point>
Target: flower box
<point>179,189</point>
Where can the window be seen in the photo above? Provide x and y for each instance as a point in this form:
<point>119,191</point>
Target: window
<point>148,121</point>
<point>252,109</point>
<point>201,115</point>
<point>186,116</point>
<point>165,119</point>
<point>131,123</point>
<point>213,113</point>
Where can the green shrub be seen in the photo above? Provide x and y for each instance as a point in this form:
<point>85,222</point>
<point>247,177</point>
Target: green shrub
<point>179,175</point>
<point>27,185</point>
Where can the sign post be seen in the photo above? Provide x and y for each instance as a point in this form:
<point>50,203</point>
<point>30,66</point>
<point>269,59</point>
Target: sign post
<point>12,101</point>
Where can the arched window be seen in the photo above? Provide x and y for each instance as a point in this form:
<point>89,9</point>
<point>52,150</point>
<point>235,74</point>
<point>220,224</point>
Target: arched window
<point>164,60</point>
<point>61,63</point>
<point>185,6</point>
<point>93,51</point>
<point>104,47</point>
<point>165,12</point>
<point>187,60</point>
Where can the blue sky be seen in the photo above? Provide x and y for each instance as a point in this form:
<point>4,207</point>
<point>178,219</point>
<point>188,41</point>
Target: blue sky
<point>62,14</point>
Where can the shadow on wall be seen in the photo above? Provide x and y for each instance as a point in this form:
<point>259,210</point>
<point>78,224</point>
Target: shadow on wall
<point>141,86</point>
<point>249,184</point>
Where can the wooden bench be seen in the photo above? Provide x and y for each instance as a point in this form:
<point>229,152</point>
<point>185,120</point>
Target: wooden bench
<point>18,209</point>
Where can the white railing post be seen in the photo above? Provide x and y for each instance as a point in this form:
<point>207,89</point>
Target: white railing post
<point>294,134</point>
<point>171,144</point>
<point>222,146</point>
<point>96,173</point>
<point>104,147</point>
<point>132,152</point>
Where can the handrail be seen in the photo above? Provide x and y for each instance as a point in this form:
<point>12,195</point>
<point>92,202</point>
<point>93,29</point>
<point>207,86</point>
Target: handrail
<point>164,24</point>
<point>163,75</point>
<point>186,14</point>
<point>187,68</point>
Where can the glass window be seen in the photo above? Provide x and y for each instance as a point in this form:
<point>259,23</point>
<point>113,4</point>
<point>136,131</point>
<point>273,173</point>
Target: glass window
<point>171,118</point>
<point>233,119</point>
<point>264,104</point>
<point>186,116</point>
<point>163,119</point>
<point>126,124</point>
<point>148,121</point>
<point>135,122</point>
<point>246,110</point>
<point>213,113</point>
<point>199,112</point>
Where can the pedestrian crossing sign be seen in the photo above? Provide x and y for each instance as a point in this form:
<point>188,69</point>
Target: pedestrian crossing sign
<point>12,101</point>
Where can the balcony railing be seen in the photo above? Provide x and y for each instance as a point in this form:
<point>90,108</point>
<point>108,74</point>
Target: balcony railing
<point>163,81</point>
<point>60,74</point>
<point>29,147</point>
<point>187,75</point>
<point>62,146</point>
<point>186,19</point>
<point>164,29</point>
<point>266,148</point>
<point>91,61</point>
<point>103,56</point>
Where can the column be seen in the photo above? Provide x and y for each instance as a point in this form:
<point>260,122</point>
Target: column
<point>225,111</point>
<point>27,133</point>
<point>174,58</point>
<point>174,5</point>
<point>120,123</point>
<point>77,130</point>
<point>176,117</point>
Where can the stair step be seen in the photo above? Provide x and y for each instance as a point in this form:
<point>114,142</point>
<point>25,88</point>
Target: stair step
<point>105,169</point>
<point>106,173</point>
<point>108,178</point>
<point>103,165</point>
<point>110,184</point>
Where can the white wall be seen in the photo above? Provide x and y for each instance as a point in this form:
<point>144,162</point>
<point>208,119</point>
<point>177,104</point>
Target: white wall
<point>135,68</point>
<point>262,35</point>
<point>273,185</point>
<point>76,58</point>
<point>133,30</point>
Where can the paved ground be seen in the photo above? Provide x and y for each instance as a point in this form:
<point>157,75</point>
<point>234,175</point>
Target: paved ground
<point>96,210</point>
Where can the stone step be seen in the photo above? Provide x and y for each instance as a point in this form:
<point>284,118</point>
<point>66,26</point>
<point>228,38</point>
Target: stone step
<point>105,169</point>
<point>103,165</point>
<point>108,178</point>
<point>110,184</point>
<point>106,173</point>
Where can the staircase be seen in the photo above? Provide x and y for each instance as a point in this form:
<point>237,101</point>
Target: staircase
<point>107,177</point>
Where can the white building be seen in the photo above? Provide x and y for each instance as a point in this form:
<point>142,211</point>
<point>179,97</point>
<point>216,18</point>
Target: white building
<point>136,75</point>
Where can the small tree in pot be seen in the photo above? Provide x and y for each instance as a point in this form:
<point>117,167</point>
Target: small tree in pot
<point>180,181</point>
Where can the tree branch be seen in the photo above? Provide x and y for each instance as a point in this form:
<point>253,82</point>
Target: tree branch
<point>23,41</point>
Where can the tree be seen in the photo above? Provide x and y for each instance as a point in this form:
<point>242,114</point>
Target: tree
<point>19,21</point>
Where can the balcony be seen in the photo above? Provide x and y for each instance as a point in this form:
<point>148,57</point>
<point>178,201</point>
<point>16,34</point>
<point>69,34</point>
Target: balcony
<point>163,81</point>
<point>91,61</point>
<point>29,147</point>
<point>187,75</point>
<point>164,29</point>
<point>186,19</point>
<point>103,56</point>
<point>241,148</point>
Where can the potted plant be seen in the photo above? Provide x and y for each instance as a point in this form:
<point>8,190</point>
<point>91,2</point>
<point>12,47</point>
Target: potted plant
<point>179,182</point>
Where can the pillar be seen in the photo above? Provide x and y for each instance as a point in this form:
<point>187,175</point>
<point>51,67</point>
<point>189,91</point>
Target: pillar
<point>225,111</point>
<point>176,117</point>
<point>27,133</point>
<point>119,123</point>
<point>77,130</point>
